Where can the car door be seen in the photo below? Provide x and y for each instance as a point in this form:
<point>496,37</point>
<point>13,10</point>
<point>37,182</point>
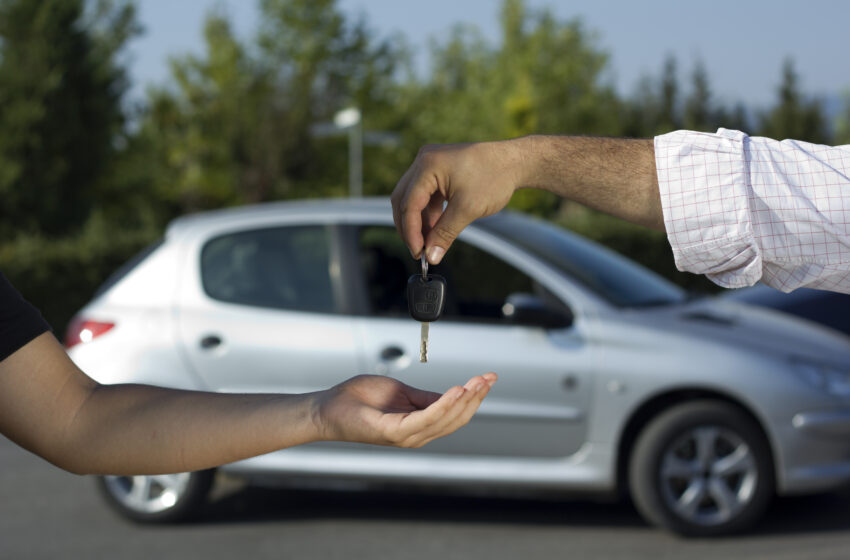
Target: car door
<point>260,311</point>
<point>539,406</point>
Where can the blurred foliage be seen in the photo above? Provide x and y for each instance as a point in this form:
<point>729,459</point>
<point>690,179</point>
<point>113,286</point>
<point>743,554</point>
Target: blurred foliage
<point>234,127</point>
<point>59,275</point>
<point>842,132</point>
<point>794,116</point>
<point>87,178</point>
<point>60,110</point>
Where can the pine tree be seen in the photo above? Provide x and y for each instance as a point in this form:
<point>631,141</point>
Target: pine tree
<point>60,109</point>
<point>794,116</point>
<point>699,114</point>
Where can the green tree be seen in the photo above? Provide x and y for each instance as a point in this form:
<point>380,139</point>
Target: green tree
<point>794,116</point>
<point>703,114</point>
<point>60,109</point>
<point>736,118</point>
<point>545,76</point>
<point>842,127</point>
<point>699,113</point>
<point>655,107</point>
<point>210,135</point>
<point>668,110</point>
<point>322,63</point>
<point>61,88</point>
<point>236,126</point>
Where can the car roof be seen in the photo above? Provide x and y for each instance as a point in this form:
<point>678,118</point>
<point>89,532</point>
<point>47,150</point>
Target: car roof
<point>765,295</point>
<point>326,207</point>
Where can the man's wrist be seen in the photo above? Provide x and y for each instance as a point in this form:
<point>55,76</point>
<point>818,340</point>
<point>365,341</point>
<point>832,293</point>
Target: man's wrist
<point>528,156</point>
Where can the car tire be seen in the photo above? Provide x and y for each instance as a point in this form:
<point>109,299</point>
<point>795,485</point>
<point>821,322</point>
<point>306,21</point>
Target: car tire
<point>701,469</point>
<point>167,498</point>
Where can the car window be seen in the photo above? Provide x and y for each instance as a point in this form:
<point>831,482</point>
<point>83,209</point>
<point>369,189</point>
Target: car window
<point>478,283</point>
<point>619,280</point>
<point>281,268</point>
<point>128,267</point>
<point>387,265</point>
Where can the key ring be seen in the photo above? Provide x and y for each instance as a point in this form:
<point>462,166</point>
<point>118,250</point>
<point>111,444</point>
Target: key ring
<point>424,266</point>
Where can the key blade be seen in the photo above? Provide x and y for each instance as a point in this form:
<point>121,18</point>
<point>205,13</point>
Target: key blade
<point>423,343</point>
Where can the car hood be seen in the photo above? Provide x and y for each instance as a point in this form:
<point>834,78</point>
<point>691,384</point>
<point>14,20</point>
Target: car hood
<point>760,329</point>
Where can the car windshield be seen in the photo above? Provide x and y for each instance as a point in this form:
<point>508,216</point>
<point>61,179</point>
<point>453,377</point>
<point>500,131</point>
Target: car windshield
<point>617,279</point>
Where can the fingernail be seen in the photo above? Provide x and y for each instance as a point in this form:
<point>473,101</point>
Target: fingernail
<point>435,254</point>
<point>460,393</point>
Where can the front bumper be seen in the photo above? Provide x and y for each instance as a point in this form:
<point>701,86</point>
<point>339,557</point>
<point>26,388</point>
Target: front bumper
<point>816,456</point>
<point>832,424</point>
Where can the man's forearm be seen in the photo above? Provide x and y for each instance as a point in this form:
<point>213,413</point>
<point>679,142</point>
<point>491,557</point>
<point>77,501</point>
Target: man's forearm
<point>449,186</point>
<point>614,175</point>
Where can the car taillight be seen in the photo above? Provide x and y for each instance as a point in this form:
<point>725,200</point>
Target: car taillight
<point>82,330</point>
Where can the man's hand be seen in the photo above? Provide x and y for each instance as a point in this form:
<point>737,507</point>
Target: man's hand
<point>613,175</point>
<point>384,411</point>
<point>475,180</point>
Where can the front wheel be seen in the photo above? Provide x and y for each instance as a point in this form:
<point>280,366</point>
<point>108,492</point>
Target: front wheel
<point>166,498</point>
<point>702,468</point>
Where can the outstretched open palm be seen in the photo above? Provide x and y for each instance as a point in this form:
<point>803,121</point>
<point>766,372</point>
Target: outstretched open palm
<point>385,411</point>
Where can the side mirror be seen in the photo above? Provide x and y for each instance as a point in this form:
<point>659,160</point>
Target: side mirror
<point>530,310</point>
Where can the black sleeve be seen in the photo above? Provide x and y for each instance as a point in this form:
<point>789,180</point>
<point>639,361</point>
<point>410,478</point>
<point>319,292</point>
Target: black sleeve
<point>20,322</point>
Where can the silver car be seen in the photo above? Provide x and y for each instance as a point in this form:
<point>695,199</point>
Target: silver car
<point>612,380</point>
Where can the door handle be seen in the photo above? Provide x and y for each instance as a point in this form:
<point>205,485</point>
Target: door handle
<point>391,353</point>
<point>210,341</point>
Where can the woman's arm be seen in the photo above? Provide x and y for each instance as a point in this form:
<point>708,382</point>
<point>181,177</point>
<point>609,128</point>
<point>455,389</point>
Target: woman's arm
<point>50,407</point>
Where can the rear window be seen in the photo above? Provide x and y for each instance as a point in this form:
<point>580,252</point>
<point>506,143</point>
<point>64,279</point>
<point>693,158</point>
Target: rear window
<point>128,267</point>
<point>279,268</point>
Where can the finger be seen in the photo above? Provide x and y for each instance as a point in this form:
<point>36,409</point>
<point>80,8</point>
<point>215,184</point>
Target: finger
<point>432,212</point>
<point>473,392</point>
<point>398,195</point>
<point>420,398</point>
<point>451,411</point>
<point>466,409</point>
<point>407,226</point>
<point>413,202</point>
<point>471,407</point>
<point>451,222</point>
<point>423,421</point>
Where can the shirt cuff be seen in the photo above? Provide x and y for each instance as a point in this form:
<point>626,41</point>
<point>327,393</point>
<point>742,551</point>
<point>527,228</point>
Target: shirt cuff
<point>704,188</point>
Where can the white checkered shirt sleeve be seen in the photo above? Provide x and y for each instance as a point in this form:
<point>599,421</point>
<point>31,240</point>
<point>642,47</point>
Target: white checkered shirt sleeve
<point>741,209</point>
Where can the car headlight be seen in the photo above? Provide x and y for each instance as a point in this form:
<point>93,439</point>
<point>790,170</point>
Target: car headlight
<point>831,379</point>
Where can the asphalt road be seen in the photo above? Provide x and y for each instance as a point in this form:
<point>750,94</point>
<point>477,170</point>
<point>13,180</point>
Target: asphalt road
<point>47,513</point>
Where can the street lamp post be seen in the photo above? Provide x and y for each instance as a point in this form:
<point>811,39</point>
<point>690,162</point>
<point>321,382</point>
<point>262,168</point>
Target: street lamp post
<point>350,119</point>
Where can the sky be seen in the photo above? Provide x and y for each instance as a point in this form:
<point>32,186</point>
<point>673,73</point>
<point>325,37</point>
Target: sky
<point>742,43</point>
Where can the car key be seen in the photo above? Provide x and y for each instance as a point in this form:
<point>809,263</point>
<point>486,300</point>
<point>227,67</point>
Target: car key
<point>426,299</point>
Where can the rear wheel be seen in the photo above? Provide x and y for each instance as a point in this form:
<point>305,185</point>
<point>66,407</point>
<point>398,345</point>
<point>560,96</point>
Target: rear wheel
<point>702,468</point>
<point>166,498</point>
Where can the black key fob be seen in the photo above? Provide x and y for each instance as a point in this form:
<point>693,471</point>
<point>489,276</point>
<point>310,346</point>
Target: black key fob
<point>426,297</point>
